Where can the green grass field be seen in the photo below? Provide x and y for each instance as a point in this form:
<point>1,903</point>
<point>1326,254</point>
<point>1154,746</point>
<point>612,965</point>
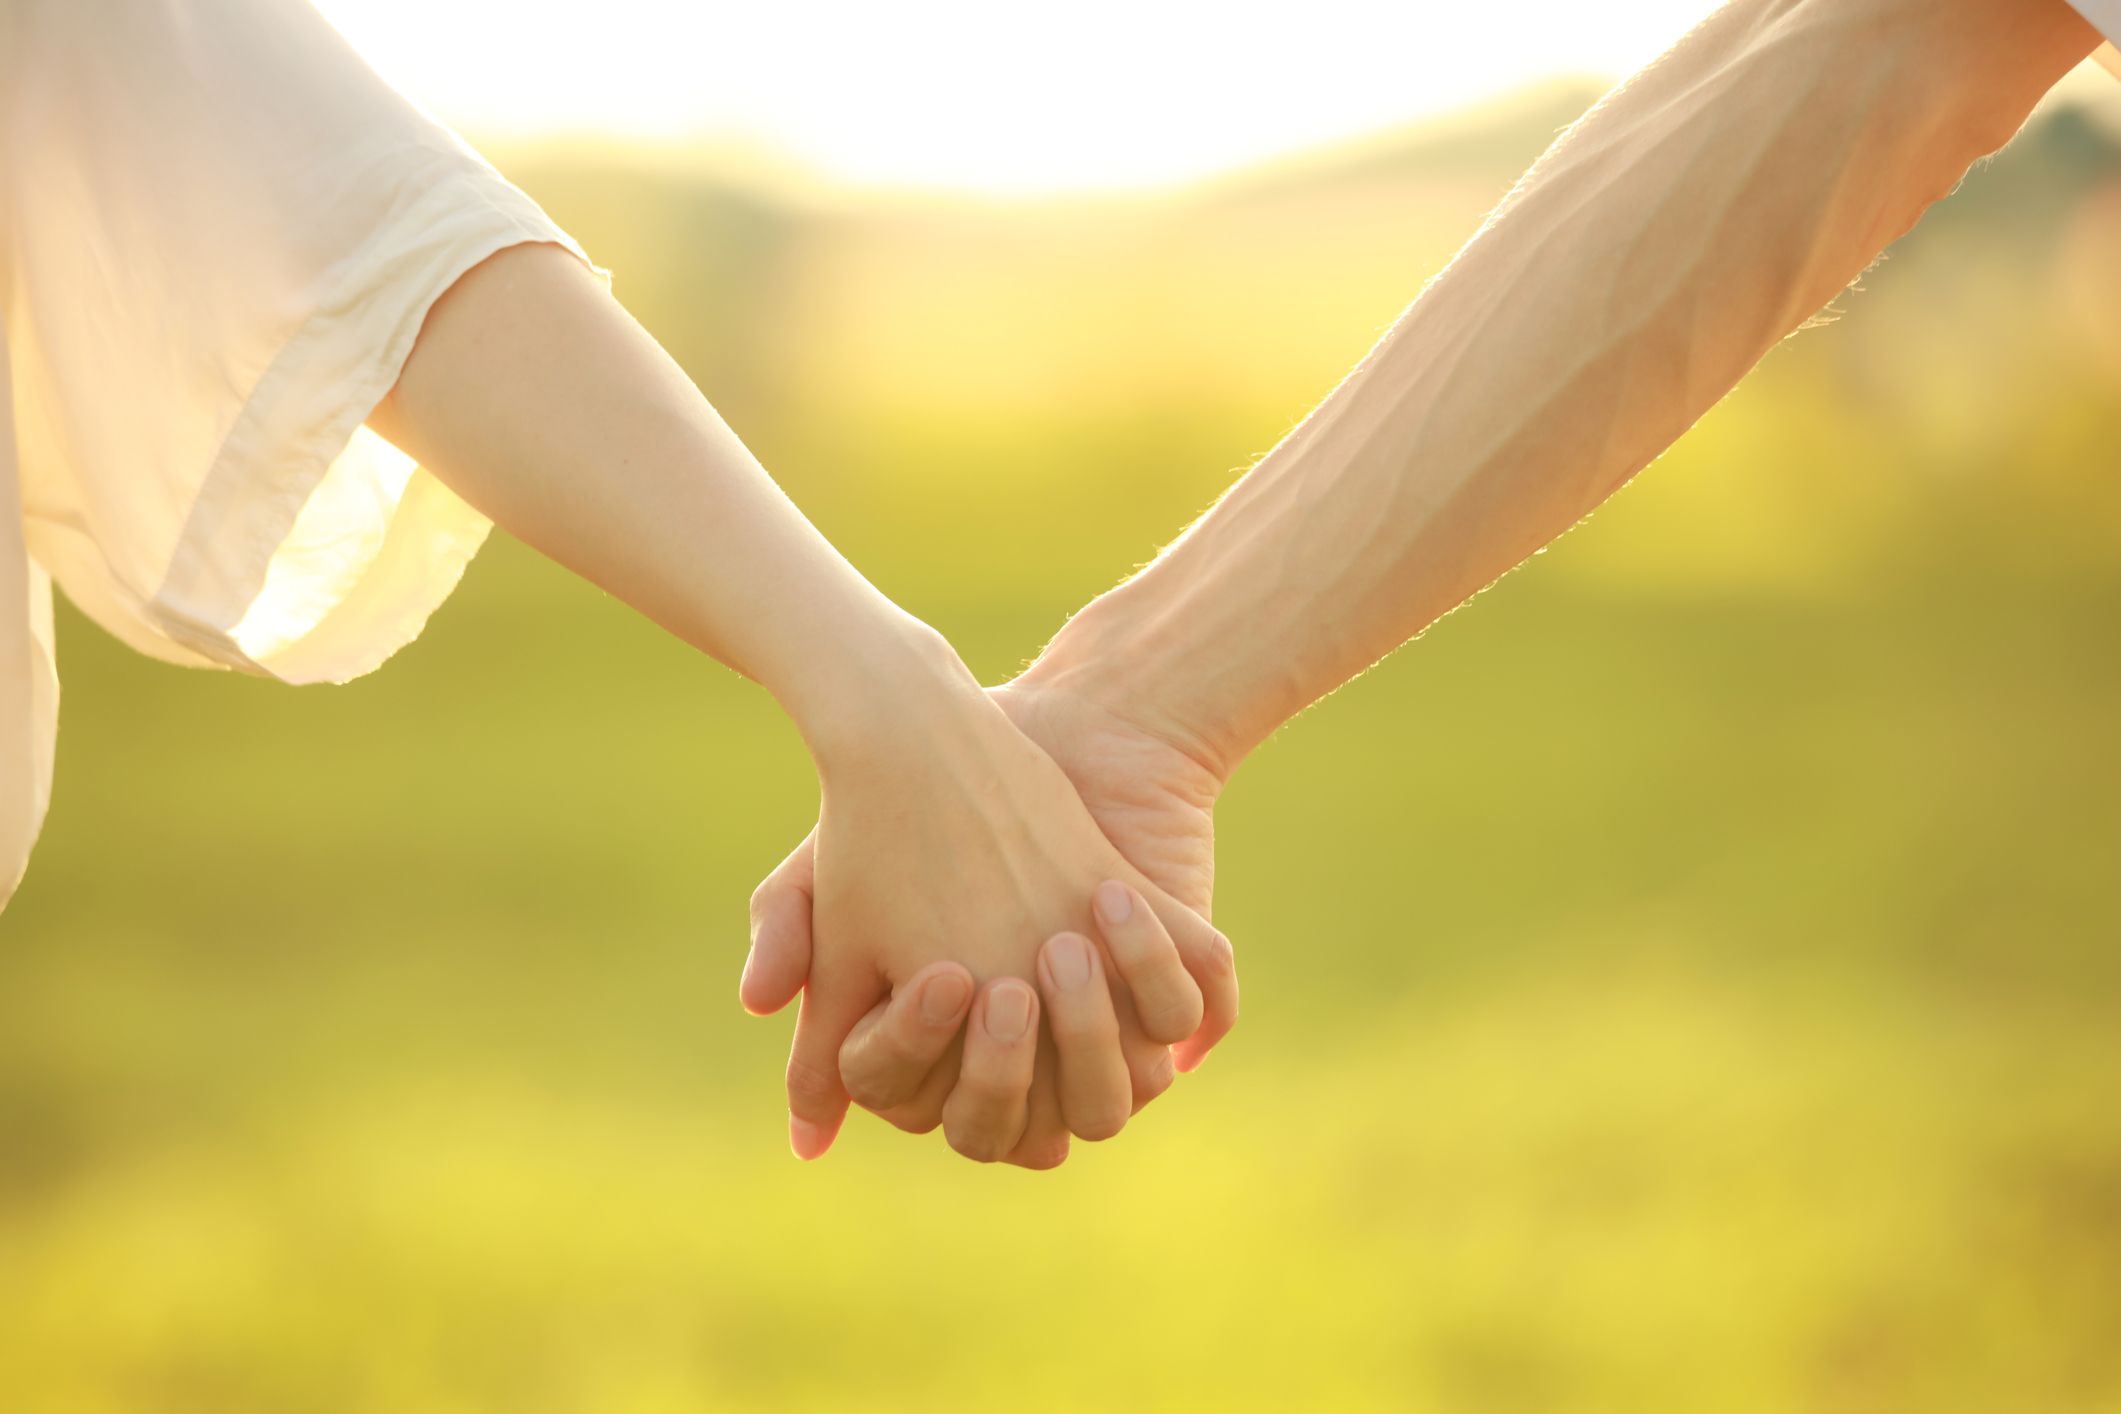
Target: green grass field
<point>1688,979</point>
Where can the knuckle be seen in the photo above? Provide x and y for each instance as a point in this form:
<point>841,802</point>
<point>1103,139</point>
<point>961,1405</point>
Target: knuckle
<point>989,1091</point>
<point>873,1092</point>
<point>887,1072</point>
<point>1154,1079</point>
<point>1123,941</point>
<point>907,1045</point>
<point>914,1119</point>
<point>1100,1124</point>
<point>1171,1016</point>
<point>976,1144</point>
<point>1133,947</point>
<point>811,1084</point>
<point>1041,1155</point>
<point>1079,1024</point>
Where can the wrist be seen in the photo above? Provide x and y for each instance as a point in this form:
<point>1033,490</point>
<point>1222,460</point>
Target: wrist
<point>894,677</point>
<point>1116,656</point>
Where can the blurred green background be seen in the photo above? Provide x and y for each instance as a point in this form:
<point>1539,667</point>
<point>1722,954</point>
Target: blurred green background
<point>1688,979</point>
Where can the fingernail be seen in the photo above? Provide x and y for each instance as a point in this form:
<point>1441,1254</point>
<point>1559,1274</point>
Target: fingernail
<point>807,1139</point>
<point>943,998</point>
<point>1115,904</point>
<point>1068,959</point>
<point>1009,1011</point>
<point>1222,956</point>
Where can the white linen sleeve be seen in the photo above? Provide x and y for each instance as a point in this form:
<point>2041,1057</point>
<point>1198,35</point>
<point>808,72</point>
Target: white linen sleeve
<point>227,233</point>
<point>29,681</point>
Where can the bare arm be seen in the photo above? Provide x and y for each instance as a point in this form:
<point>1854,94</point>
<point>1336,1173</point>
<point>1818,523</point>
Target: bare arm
<point>946,837</point>
<point>1693,219</point>
<point>543,404</point>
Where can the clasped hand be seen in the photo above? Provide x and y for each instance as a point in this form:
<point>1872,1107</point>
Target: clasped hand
<point>998,926</point>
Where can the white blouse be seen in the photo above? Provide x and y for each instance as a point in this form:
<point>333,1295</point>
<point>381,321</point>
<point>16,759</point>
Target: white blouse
<point>219,235</point>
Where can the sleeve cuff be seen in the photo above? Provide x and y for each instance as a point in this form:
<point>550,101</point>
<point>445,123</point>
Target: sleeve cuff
<point>315,550</point>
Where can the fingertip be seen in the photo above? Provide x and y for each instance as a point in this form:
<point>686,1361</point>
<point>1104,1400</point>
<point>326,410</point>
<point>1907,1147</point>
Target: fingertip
<point>1066,962</point>
<point>1215,970</point>
<point>942,996</point>
<point>809,1139</point>
<point>1011,1011</point>
<point>816,1095</point>
<point>1142,945</point>
<point>1192,1053</point>
<point>779,960</point>
<point>761,994</point>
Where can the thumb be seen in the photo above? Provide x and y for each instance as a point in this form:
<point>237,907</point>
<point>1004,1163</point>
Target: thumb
<point>780,933</point>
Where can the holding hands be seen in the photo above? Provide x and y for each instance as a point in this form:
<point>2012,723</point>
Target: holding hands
<point>939,920</point>
<point>1030,989</point>
<point>999,925</point>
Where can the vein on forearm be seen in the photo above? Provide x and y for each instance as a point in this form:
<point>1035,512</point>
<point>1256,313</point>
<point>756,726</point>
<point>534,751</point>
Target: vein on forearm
<point>1652,257</point>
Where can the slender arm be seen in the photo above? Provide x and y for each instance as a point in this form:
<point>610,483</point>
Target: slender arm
<point>534,396</point>
<point>1661,247</point>
<point>945,835</point>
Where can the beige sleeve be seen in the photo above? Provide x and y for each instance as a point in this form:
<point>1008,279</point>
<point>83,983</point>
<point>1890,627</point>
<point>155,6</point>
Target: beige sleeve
<point>226,233</point>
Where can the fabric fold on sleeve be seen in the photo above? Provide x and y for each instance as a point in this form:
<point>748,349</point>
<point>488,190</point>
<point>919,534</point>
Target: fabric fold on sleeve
<point>227,233</point>
<point>315,549</point>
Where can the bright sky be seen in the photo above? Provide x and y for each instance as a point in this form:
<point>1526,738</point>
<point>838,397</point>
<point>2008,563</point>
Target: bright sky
<point>990,94</point>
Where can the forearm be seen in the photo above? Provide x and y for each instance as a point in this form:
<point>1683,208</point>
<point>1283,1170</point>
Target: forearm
<point>533,395</point>
<point>1692,220</point>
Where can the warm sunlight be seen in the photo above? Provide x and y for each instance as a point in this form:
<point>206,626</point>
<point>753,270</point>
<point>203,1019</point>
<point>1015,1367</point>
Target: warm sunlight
<point>1002,98</point>
<point>1588,604</point>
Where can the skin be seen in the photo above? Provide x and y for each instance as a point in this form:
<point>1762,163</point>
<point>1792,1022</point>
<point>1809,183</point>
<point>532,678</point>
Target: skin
<point>1015,835</point>
<point>1156,805</point>
<point>945,834</point>
<point>1694,218</point>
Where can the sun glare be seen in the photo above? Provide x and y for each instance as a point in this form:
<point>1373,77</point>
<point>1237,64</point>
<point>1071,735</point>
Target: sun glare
<point>953,93</point>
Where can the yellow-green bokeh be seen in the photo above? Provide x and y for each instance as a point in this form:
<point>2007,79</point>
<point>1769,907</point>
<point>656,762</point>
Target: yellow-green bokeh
<point>1690,978</point>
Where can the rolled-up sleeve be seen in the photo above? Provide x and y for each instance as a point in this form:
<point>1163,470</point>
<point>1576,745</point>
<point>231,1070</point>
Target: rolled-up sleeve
<point>227,232</point>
